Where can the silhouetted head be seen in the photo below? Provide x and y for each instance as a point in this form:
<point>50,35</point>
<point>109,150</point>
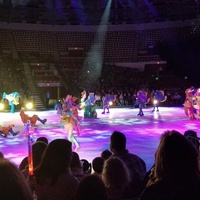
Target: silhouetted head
<point>13,184</point>
<point>175,156</point>
<point>1,155</point>
<point>190,133</point>
<point>91,187</point>
<point>115,173</point>
<point>75,160</point>
<point>42,139</point>
<point>86,166</point>
<point>97,164</point>
<point>117,141</point>
<point>106,154</point>
<point>38,149</point>
<point>55,160</point>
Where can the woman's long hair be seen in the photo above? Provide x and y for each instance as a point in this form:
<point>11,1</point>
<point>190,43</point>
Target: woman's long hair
<point>175,156</point>
<point>13,184</point>
<point>55,161</point>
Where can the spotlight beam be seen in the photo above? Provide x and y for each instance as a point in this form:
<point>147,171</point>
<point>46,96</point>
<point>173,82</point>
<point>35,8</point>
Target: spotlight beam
<point>94,60</point>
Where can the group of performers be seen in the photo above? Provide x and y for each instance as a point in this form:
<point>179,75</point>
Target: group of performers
<point>5,130</point>
<point>13,100</point>
<point>142,98</point>
<point>69,118</point>
<point>68,109</point>
<point>192,103</point>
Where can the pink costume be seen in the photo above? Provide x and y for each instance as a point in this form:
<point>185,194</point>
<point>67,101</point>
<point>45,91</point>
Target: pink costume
<point>188,104</point>
<point>70,101</point>
<point>197,102</point>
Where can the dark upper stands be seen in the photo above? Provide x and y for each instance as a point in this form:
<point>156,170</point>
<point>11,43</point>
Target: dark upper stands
<point>119,46</point>
<point>90,12</point>
<point>64,34</point>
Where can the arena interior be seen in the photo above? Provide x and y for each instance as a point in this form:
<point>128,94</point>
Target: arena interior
<point>49,49</point>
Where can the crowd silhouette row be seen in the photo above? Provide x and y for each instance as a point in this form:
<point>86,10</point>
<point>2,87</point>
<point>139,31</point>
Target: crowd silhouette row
<point>116,174</point>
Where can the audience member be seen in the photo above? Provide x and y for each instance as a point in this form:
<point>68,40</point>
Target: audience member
<point>193,138</point>
<point>106,154</point>
<point>176,174</point>
<point>23,164</point>
<point>12,183</point>
<point>42,139</point>
<point>38,149</point>
<point>1,154</point>
<point>53,176</point>
<point>91,188</point>
<point>134,163</point>
<point>190,133</point>
<point>76,166</point>
<point>97,165</point>
<point>87,168</point>
<point>116,178</point>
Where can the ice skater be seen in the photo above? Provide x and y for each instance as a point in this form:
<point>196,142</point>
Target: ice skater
<point>67,121</point>
<point>141,100</point>
<point>108,100</point>
<point>158,97</point>
<point>33,119</point>
<point>6,130</point>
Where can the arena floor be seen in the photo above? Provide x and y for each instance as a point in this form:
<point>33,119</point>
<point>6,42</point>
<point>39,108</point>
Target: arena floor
<point>143,133</point>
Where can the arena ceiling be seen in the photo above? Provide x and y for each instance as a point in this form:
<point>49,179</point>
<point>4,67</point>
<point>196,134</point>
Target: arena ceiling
<point>89,12</point>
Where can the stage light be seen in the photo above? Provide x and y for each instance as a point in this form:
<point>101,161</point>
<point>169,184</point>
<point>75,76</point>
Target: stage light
<point>110,103</point>
<point>155,101</point>
<point>2,106</point>
<point>29,105</point>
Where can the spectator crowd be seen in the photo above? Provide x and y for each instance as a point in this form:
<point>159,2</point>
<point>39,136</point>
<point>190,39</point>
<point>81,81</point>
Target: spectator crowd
<point>116,174</point>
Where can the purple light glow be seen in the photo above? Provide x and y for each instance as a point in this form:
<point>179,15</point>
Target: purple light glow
<point>143,133</point>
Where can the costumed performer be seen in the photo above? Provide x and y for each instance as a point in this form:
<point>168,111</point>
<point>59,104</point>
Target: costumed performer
<point>90,111</point>
<point>83,97</point>
<point>33,119</point>
<point>158,96</point>
<point>5,130</point>
<point>108,100</point>
<point>71,102</point>
<point>67,119</point>
<point>13,99</point>
<point>188,104</point>
<point>141,100</point>
<point>58,105</point>
<point>197,102</point>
